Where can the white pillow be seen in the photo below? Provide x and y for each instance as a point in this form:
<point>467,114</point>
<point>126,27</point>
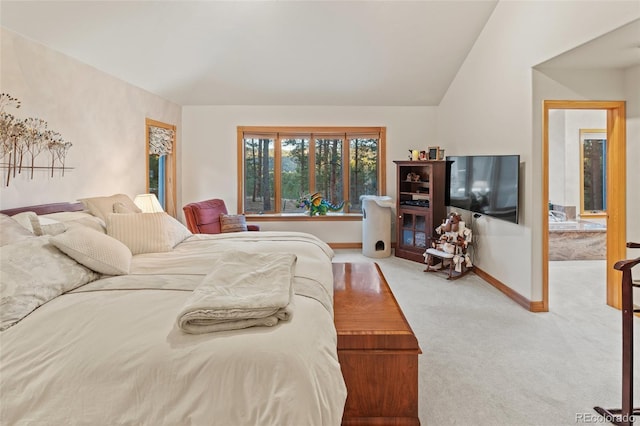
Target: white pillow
<point>120,207</point>
<point>81,218</point>
<point>92,223</point>
<point>45,226</point>
<point>11,231</point>
<point>141,232</point>
<point>177,231</point>
<point>147,232</point>
<point>25,219</point>
<point>104,206</point>
<point>95,250</point>
<point>33,272</point>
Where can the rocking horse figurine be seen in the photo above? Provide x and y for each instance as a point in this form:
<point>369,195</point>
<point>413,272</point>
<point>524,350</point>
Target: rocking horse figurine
<point>450,248</point>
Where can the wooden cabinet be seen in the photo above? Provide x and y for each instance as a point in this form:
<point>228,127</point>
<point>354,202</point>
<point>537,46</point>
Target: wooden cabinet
<point>377,350</point>
<point>420,205</point>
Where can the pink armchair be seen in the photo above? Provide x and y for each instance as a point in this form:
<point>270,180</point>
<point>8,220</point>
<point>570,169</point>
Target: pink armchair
<point>203,217</point>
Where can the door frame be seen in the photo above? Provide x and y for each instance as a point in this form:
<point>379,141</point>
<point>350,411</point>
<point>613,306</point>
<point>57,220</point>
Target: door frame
<point>616,192</point>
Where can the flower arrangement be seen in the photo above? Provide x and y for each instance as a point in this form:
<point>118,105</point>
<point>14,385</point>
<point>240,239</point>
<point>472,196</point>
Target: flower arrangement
<point>23,140</point>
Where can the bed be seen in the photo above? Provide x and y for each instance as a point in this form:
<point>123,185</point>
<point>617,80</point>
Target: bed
<point>109,350</point>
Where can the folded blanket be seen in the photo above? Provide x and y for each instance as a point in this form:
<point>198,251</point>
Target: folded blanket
<point>242,290</point>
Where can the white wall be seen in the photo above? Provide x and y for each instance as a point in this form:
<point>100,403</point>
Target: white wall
<point>632,95</point>
<point>209,142</point>
<point>564,152</point>
<point>493,107</point>
<point>575,121</point>
<point>103,117</point>
<point>557,158</point>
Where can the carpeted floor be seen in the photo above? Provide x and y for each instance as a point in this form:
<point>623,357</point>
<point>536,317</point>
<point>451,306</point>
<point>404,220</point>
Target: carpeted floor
<point>488,361</point>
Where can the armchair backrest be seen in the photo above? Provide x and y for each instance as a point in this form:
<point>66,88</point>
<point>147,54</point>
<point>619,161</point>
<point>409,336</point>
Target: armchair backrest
<point>203,217</point>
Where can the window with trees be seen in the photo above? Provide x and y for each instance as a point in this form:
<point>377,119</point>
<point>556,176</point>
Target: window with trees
<point>593,171</point>
<point>161,167</point>
<point>279,165</point>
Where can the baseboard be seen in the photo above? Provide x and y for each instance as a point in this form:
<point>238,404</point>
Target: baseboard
<point>345,245</point>
<point>537,306</point>
<point>351,245</point>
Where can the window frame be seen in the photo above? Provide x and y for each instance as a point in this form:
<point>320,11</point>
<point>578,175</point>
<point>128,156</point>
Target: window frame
<point>585,134</point>
<point>170,165</point>
<point>281,132</point>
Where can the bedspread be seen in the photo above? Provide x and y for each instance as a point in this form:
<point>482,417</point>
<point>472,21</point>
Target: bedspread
<point>109,352</point>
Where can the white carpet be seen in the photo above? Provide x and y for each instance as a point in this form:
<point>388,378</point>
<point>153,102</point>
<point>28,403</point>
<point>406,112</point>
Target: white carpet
<point>488,361</point>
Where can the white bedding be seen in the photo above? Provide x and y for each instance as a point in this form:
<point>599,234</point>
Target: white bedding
<point>243,290</point>
<point>109,352</point>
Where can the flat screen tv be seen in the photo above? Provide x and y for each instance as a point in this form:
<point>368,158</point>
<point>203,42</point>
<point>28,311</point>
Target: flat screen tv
<point>485,184</point>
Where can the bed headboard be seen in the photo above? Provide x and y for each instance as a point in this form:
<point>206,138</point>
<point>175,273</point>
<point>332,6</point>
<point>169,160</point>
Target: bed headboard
<point>46,208</point>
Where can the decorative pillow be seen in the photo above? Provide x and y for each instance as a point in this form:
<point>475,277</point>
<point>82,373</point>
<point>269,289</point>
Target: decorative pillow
<point>233,223</point>
<point>122,208</point>
<point>94,250</point>
<point>177,232</point>
<point>25,219</point>
<point>45,226</point>
<point>70,216</point>
<point>92,223</point>
<point>103,206</point>
<point>141,232</point>
<point>83,218</point>
<point>11,231</point>
<point>33,272</point>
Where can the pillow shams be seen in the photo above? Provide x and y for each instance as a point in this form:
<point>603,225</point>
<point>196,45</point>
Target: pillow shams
<point>177,231</point>
<point>94,250</point>
<point>33,272</point>
<point>102,207</point>
<point>11,231</point>
<point>146,232</point>
<point>141,232</point>
<point>25,219</point>
<point>46,226</point>
<point>121,207</point>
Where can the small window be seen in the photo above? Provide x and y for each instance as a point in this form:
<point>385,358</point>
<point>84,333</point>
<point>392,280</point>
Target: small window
<point>160,148</point>
<point>593,171</point>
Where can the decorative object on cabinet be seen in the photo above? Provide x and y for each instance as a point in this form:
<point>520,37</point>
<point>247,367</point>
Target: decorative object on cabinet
<point>433,152</point>
<point>418,203</point>
<point>448,253</point>
<point>413,177</point>
<point>23,140</point>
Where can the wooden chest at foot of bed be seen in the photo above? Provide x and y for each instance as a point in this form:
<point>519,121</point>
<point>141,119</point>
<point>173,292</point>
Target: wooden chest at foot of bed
<point>377,349</point>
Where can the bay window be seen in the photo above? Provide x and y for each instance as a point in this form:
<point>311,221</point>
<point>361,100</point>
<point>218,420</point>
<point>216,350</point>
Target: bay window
<point>279,165</point>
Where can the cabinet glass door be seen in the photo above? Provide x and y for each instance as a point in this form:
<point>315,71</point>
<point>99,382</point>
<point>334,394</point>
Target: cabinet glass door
<point>414,227</point>
<point>420,234</point>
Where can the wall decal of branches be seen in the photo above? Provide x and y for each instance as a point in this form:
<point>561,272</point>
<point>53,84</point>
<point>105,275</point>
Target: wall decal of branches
<point>23,140</point>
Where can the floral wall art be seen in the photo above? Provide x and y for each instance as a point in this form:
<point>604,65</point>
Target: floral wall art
<point>27,145</point>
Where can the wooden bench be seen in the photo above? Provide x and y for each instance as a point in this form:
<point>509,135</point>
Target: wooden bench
<point>377,349</point>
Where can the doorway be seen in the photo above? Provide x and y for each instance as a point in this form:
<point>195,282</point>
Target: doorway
<point>615,191</point>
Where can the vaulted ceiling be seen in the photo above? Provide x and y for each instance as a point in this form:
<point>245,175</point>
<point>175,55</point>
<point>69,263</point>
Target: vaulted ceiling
<point>264,52</point>
<point>297,52</point>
